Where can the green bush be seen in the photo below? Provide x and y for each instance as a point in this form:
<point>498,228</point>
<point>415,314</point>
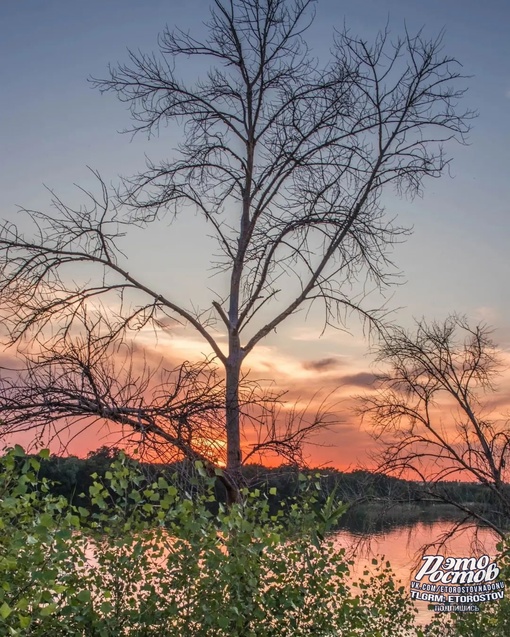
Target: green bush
<point>146,561</point>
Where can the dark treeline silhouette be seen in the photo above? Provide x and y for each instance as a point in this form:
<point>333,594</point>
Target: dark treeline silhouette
<point>379,502</point>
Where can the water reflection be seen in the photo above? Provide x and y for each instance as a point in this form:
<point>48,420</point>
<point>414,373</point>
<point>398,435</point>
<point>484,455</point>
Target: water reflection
<point>374,519</point>
<point>403,547</point>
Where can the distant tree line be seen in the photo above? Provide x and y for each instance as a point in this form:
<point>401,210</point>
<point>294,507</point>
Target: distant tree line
<point>71,477</point>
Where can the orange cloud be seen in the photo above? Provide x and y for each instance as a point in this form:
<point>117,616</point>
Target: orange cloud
<point>326,381</point>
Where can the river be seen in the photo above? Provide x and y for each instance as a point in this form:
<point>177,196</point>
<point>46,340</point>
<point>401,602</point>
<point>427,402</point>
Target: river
<point>404,546</point>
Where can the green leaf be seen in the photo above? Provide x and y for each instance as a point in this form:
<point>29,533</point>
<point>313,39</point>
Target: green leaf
<point>22,604</point>
<point>46,520</point>
<point>24,621</point>
<point>5,610</point>
<point>83,596</point>
<point>48,610</point>
<point>199,466</point>
<point>223,622</point>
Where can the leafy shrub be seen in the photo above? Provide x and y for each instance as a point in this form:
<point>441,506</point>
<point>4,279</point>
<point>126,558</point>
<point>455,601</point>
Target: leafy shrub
<point>145,561</point>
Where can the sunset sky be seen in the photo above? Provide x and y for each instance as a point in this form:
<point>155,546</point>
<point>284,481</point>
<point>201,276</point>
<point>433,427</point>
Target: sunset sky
<point>53,125</point>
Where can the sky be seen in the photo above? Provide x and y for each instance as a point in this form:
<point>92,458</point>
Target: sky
<point>53,125</point>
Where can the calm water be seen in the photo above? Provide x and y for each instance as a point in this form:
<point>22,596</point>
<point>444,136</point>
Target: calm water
<point>403,548</point>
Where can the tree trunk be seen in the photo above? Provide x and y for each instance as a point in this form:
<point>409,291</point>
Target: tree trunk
<point>232,416</point>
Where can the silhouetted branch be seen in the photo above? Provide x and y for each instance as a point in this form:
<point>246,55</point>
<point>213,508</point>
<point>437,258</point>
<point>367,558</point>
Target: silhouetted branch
<point>429,410</point>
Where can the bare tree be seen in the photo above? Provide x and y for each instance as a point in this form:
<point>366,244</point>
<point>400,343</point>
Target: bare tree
<point>433,413</point>
<point>176,412</point>
<point>169,414</point>
<point>300,152</point>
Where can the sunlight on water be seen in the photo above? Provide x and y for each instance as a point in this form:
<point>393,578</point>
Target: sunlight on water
<point>404,547</point>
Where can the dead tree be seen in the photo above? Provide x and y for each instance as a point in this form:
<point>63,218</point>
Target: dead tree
<point>171,414</point>
<point>286,160</point>
<point>433,413</point>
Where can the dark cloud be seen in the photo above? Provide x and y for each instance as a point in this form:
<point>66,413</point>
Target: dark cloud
<point>361,379</point>
<point>322,365</point>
